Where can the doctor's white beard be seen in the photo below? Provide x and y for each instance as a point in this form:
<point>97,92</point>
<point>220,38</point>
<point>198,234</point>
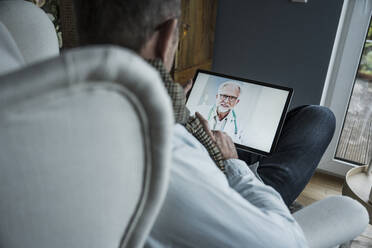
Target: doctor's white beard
<point>221,109</point>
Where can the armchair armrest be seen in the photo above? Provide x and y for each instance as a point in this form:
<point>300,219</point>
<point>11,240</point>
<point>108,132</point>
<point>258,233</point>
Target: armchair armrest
<point>332,221</point>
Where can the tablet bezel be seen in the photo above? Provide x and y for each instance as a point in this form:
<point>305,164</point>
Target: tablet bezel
<point>244,80</point>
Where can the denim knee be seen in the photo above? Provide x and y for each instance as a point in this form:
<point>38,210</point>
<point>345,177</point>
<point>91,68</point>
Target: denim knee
<point>308,131</point>
<point>321,118</point>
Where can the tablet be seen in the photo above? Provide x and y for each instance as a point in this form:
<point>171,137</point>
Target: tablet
<point>252,113</point>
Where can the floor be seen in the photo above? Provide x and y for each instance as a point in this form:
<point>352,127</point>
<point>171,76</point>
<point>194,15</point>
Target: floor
<point>321,186</point>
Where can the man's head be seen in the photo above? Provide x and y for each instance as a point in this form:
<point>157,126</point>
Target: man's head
<point>228,96</point>
<point>148,27</point>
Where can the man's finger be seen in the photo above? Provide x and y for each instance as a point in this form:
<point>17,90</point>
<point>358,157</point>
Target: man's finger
<point>187,86</point>
<point>217,133</point>
<point>202,120</point>
<point>205,124</point>
<point>226,145</point>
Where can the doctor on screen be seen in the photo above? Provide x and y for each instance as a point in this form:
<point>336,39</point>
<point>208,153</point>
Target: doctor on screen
<point>222,116</point>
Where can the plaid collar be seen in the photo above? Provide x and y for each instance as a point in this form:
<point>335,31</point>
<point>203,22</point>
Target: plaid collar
<point>182,114</point>
<point>175,91</point>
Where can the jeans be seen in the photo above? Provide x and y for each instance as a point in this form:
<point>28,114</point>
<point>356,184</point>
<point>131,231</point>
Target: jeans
<point>306,134</point>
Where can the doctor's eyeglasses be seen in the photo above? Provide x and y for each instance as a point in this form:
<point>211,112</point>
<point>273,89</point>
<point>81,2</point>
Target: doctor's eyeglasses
<point>229,98</point>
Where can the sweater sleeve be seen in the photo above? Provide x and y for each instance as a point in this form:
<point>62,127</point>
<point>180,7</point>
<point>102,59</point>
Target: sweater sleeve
<point>204,209</point>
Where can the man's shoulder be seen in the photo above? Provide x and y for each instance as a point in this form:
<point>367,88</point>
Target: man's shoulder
<point>182,137</point>
<point>187,150</point>
<point>179,131</point>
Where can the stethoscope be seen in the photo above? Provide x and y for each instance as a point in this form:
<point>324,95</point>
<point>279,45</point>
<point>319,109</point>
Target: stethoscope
<point>233,113</point>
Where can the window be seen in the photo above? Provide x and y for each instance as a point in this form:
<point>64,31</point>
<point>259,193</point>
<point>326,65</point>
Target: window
<point>355,141</point>
<point>345,86</point>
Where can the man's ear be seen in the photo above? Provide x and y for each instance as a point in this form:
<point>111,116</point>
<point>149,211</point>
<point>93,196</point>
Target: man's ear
<point>166,41</point>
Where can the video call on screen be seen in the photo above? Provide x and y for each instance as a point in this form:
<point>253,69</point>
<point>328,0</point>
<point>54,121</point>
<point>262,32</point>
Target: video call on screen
<point>249,113</point>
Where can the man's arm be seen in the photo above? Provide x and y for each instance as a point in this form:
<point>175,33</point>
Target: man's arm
<point>204,209</point>
<point>238,174</point>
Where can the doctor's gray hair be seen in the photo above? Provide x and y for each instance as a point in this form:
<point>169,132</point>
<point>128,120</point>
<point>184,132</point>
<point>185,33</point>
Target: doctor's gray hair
<point>127,23</point>
<point>232,83</point>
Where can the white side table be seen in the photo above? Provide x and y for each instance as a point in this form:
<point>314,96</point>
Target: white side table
<point>357,185</point>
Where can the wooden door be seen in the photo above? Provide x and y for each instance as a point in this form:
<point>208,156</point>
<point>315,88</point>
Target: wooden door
<point>196,38</point>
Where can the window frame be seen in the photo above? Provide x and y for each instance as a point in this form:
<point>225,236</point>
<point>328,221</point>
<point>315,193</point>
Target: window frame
<point>342,70</point>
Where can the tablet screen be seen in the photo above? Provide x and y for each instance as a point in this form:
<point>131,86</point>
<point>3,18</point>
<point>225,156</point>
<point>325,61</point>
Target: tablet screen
<point>251,113</point>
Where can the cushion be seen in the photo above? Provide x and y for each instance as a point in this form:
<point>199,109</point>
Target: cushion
<point>10,56</point>
<point>31,29</point>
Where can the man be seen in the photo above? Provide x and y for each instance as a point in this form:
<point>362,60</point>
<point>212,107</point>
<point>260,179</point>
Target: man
<point>205,207</point>
<point>222,116</point>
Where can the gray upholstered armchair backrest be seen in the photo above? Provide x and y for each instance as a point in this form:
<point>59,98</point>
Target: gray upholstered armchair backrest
<point>85,149</point>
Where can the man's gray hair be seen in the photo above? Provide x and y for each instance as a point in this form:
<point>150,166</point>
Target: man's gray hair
<point>234,84</point>
<point>128,23</point>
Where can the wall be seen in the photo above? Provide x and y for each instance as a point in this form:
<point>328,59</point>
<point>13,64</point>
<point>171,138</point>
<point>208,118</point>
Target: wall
<point>277,41</point>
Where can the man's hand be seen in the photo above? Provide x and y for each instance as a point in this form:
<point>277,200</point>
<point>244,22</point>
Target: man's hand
<point>222,140</point>
<point>187,86</point>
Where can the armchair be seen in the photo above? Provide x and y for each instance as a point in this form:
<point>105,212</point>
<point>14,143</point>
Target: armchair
<point>85,149</point>
<point>332,221</point>
<point>31,28</point>
<point>10,57</point>
<point>85,146</point>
